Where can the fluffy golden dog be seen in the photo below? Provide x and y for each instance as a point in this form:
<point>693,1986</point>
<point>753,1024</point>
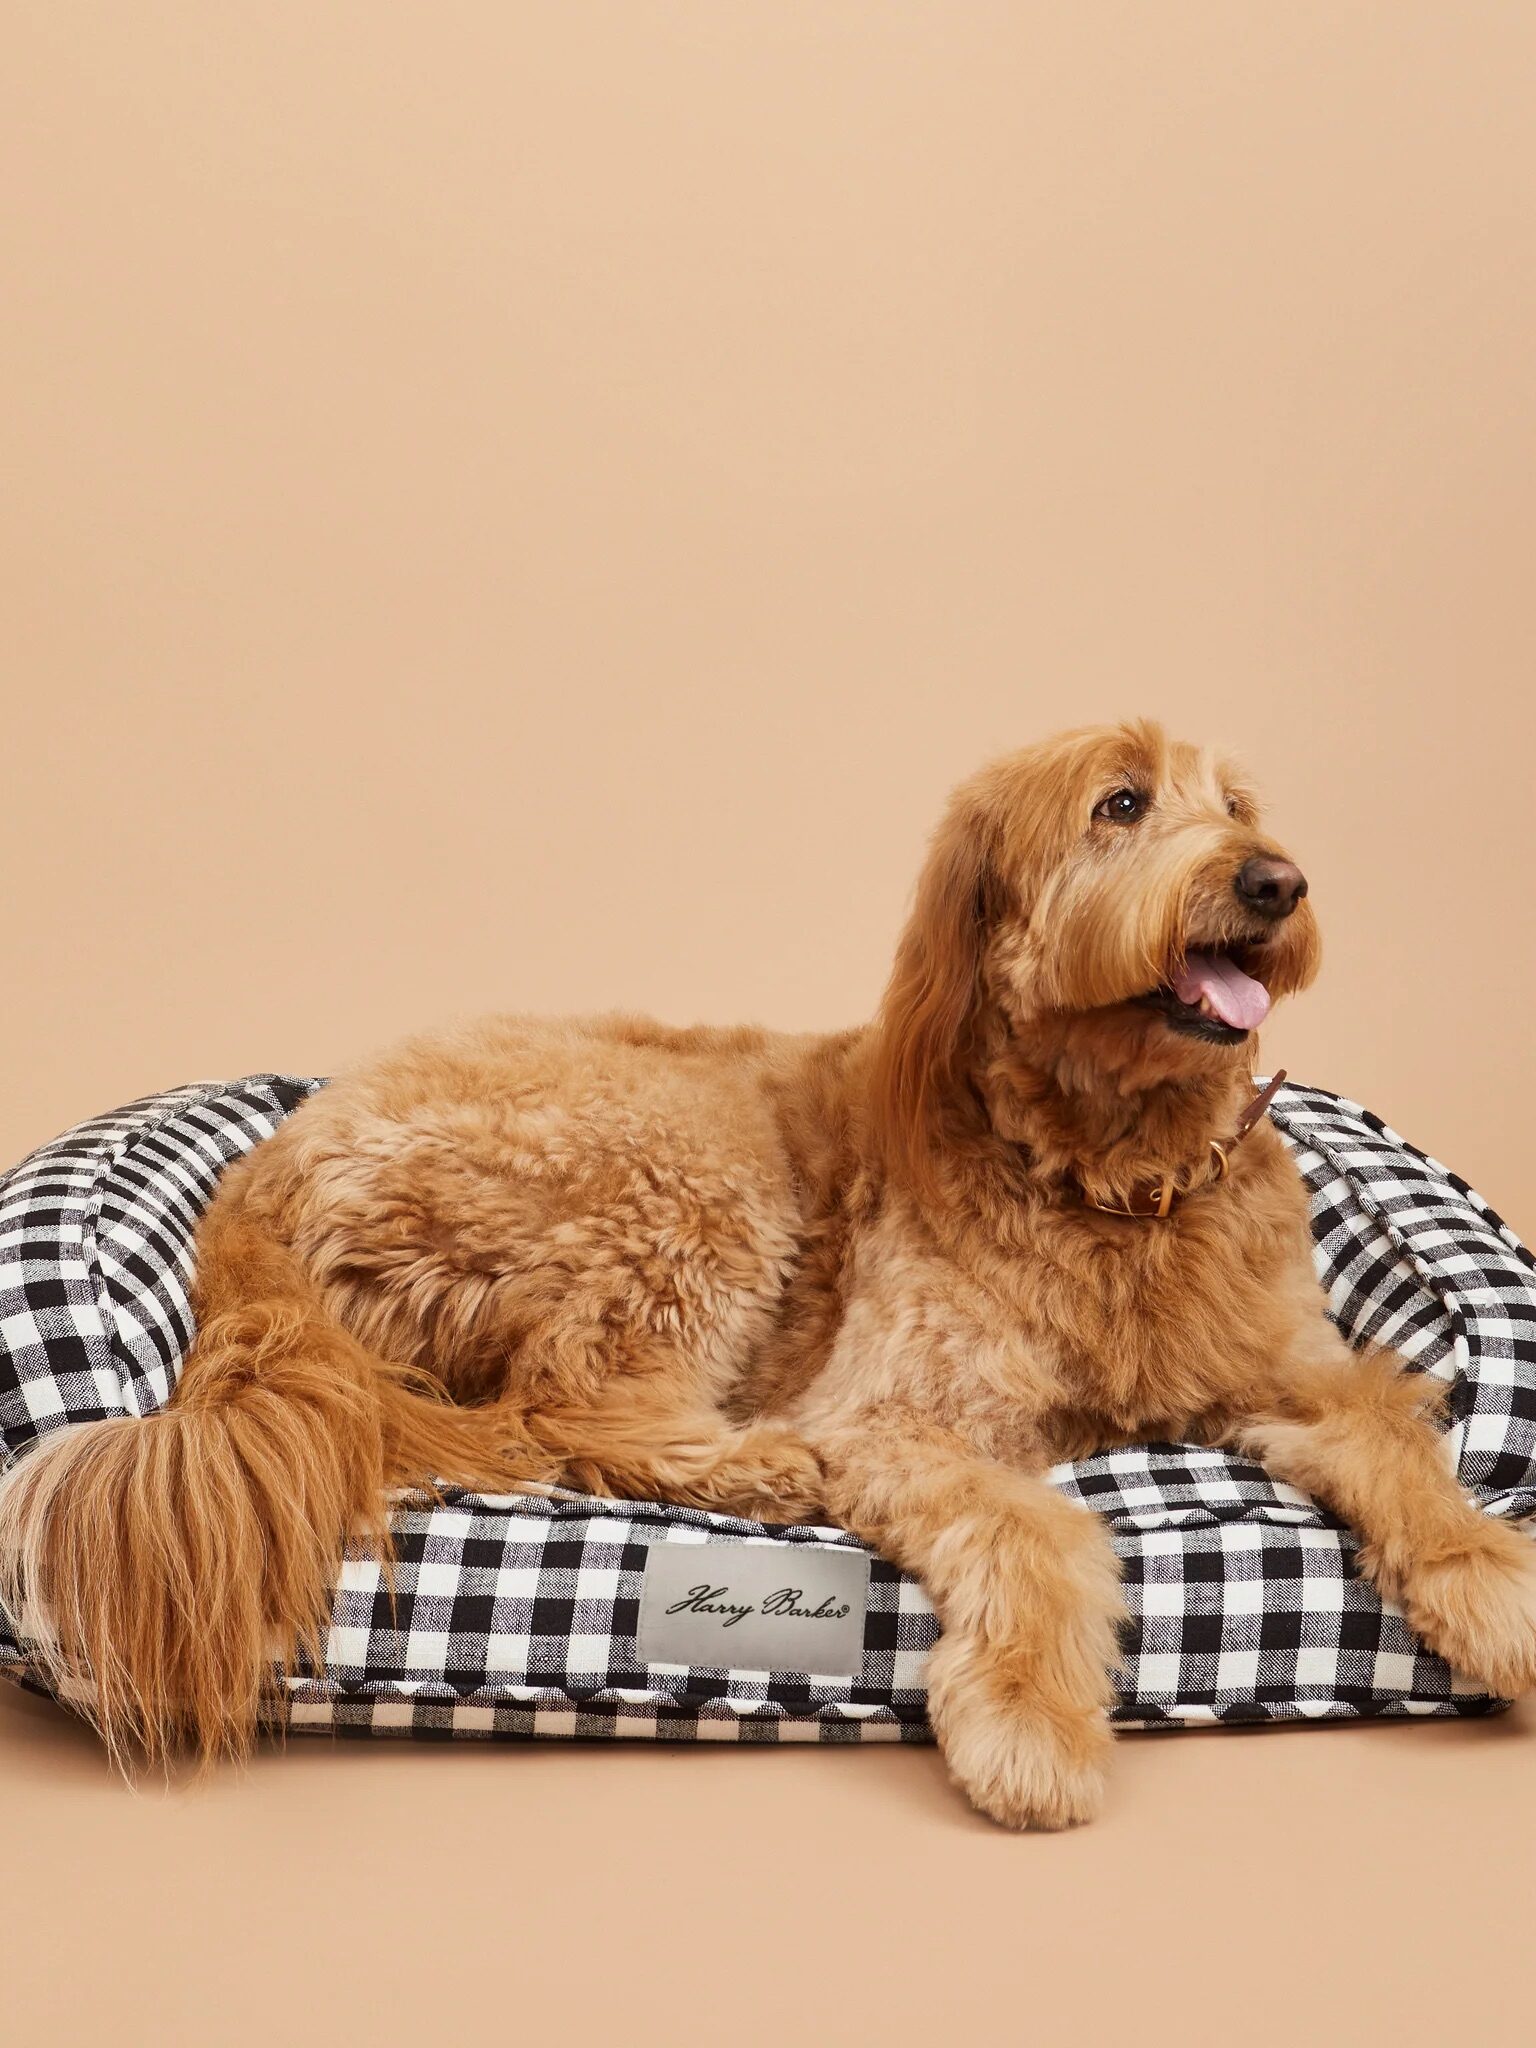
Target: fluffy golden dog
<point>892,1274</point>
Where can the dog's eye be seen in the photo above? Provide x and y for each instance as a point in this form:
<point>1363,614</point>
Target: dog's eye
<point>1123,806</point>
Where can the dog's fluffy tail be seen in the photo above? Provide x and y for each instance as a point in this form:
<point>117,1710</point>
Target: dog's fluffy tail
<point>162,1569</point>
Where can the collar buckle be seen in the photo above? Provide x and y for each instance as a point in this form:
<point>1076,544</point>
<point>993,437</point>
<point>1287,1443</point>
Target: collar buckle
<point>1156,1200</point>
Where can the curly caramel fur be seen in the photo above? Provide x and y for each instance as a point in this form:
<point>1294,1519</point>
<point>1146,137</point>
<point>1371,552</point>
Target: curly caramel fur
<point>781,1275</point>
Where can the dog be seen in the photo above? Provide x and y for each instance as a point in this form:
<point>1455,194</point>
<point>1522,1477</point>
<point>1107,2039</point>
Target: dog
<point>891,1275</point>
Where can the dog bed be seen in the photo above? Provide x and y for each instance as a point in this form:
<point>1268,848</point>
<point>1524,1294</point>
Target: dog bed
<point>536,1615</point>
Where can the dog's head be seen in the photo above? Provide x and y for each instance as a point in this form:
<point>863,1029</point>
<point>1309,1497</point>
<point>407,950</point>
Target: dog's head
<point>1104,906</point>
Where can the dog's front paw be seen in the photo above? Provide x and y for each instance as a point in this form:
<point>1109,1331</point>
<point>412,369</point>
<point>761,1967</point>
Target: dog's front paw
<point>1477,1609</point>
<point>1019,1760</point>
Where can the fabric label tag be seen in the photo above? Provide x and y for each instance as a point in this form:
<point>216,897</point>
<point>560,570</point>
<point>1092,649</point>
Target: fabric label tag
<point>755,1607</point>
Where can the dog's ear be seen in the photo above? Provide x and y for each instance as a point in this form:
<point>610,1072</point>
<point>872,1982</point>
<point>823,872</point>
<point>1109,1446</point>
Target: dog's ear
<point>925,1032</point>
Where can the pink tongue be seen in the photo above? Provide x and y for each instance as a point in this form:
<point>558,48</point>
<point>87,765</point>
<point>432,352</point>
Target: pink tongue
<point>1236,997</point>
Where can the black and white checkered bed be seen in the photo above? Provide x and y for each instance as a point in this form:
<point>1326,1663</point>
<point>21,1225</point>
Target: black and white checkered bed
<point>520,1615</point>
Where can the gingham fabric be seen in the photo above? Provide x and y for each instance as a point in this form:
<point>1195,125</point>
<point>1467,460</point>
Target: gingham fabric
<point>517,1616</point>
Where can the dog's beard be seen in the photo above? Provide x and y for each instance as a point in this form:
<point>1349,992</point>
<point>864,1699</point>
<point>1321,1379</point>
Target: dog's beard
<point>1214,989</point>
<point>1189,1012</point>
<point>1211,975</point>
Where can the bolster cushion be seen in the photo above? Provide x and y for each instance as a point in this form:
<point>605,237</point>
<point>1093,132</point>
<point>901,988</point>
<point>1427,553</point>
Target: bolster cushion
<point>559,1616</point>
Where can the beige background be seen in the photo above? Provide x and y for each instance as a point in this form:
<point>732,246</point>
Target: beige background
<point>531,505</point>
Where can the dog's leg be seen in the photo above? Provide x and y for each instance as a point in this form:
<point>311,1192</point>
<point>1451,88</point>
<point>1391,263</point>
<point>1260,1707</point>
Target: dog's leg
<point>763,1472</point>
<point>1027,1588</point>
<point>1353,1432</point>
<point>637,1445</point>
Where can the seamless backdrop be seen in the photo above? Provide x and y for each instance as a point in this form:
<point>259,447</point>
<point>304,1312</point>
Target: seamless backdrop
<point>532,505</point>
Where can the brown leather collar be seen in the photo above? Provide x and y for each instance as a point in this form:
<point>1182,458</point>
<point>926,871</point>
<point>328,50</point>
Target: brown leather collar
<point>1157,1199</point>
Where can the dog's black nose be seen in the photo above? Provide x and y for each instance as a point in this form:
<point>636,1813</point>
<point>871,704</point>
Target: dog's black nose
<point>1271,887</point>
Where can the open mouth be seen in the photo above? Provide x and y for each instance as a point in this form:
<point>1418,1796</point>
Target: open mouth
<point>1214,994</point>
